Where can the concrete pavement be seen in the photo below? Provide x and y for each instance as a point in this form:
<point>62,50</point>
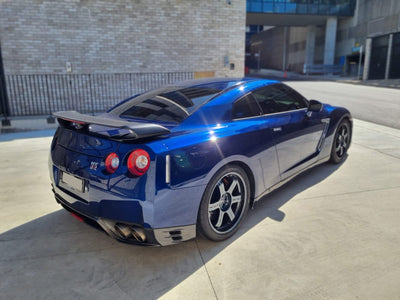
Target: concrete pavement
<point>377,105</point>
<point>333,232</point>
<point>290,76</point>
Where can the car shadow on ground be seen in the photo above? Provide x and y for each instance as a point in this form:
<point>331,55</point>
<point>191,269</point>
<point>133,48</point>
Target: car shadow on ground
<point>269,206</point>
<point>62,257</point>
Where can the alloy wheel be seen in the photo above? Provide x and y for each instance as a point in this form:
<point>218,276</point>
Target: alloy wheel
<point>342,140</point>
<point>226,204</point>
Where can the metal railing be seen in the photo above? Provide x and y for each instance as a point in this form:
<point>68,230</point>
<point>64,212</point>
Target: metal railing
<point>313,7</point>
<point>42,94</point>
<point>323,69</point>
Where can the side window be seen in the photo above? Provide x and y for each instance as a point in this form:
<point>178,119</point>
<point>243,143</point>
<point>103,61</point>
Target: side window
<point>245,107</point>
<point>279,98</point>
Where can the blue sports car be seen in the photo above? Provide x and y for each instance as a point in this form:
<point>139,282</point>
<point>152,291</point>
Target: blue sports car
<point>190,158</point>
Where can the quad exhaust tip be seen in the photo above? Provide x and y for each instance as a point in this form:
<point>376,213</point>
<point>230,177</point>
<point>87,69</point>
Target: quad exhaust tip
<point>129,231</point>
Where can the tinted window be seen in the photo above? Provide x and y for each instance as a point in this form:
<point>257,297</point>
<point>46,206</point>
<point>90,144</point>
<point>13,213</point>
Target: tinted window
<point>168,104</point>
<point>278,98</point>
<point>245,107</point>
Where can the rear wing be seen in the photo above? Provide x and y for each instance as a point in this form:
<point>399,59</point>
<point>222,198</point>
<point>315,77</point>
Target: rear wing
<point>136,130</point>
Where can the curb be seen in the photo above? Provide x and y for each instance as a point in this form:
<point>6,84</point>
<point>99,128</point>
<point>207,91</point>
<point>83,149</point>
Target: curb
<point>28,123</point>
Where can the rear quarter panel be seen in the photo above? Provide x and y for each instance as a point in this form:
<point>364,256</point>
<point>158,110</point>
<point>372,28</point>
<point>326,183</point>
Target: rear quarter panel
<point>198,154</point>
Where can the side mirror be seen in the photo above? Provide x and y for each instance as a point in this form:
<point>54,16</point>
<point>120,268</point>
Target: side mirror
<point>314,106</point>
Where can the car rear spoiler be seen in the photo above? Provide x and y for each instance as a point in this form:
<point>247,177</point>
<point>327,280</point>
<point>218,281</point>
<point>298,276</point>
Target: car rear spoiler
<point>136,130</point>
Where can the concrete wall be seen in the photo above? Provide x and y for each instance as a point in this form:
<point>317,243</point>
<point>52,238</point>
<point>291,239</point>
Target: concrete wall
<point>269,44</point>
<point>297,47</point>
<point>372,18</point>
<point>125,36</point>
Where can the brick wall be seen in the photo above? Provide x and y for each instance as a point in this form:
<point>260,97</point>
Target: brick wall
<point>100,36</point>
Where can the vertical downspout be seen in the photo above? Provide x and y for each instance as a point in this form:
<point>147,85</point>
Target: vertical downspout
<point>284,48</point>
<point>3,93</point>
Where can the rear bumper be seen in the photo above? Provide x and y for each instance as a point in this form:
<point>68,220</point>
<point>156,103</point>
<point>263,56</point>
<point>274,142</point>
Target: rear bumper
<point>124,230</point>
<point>165,216</point>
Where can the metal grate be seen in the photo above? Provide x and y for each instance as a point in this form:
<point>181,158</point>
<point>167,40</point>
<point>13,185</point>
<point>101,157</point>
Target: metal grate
<point>42,94</point>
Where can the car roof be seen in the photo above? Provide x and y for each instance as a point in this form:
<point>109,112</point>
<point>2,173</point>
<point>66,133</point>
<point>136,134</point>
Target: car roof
<point>224,83</point>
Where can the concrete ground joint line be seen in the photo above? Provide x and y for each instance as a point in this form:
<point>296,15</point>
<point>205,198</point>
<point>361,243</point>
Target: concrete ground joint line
<point>375,130</point>
<point>119,287</point>
<point>350,193</point>
<point>379,131</point>
<point>376,150</point>
<point>205,267</point>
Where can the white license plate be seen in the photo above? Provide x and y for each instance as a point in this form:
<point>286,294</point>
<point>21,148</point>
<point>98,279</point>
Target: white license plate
<point>73,182</point>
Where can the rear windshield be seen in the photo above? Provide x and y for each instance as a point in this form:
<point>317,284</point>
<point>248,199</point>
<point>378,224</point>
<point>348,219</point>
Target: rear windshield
<point>168,104</point>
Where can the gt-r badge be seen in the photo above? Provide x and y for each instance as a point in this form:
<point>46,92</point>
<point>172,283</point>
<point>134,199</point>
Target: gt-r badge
<point>93,165</point>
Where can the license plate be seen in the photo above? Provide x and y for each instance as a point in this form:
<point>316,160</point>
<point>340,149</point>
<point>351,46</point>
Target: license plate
<point>73,182</point>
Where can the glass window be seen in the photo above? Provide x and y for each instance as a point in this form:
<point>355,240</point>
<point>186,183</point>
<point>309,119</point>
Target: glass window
<point>279,98</point>
<point>168,104</point>
<point>245,107</point>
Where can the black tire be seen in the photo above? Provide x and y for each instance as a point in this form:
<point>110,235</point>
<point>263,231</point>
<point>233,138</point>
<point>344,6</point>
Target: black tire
<point>341,142</point>
<point>224,204</point>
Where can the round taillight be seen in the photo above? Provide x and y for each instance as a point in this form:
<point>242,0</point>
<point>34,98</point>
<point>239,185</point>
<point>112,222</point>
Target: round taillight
<point>112,162</point>
<point>138,162</point>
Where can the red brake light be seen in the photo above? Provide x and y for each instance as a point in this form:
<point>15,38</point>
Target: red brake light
<point>138,162</point>
<point>112,163</point>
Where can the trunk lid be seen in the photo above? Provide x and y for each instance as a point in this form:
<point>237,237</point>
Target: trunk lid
<point>82,143</point>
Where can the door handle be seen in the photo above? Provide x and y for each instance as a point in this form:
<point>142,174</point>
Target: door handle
<point>277,129</point>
